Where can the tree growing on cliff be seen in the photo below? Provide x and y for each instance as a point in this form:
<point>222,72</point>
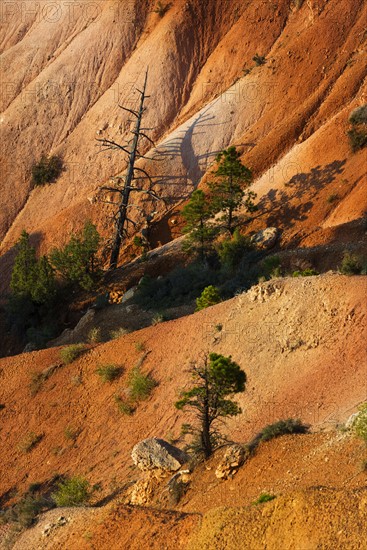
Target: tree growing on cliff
<point>33,291</point>
<point>199,232</point>
<point>226,192</point>
<point>77,260</point>
<point>31,278</point>
<point>47,170</point>
<point>131,182</point>
<point>214,379</point>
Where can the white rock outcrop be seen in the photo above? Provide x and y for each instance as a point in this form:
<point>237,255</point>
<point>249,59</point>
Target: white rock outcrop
<point>154,453</point>
<point>266,238</point>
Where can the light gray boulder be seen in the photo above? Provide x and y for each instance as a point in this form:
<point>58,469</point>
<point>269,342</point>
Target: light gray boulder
<point>154,453</point>
<point>266,238</point>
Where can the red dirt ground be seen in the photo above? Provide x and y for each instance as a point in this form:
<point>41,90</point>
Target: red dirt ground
<point>301,343</point>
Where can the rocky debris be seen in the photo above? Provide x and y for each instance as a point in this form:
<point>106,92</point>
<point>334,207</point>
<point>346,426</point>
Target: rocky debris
<point>292,344</point>
<point>120,297</point>
<point>262,292</point>
<point>85,320</point>
<point>115,297</point>
<point>141,492</point>
<point>145,489</point>
<point>266,238</point>
<point>129,294</point>
<point>49,527</point>
<point>234,457</point>
<point>154,453</point>
<point>178,485</point>
<point>71,336</point>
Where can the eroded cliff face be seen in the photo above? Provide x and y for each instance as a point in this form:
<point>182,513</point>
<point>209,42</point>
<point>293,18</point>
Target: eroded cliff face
<point>66,70</point>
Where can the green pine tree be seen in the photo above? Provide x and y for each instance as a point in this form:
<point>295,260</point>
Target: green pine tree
<point>44,287</point>
<point>25,267</point>
<point>214,380</point>
<point>209,297</point>
<point>33,289</point>
<point>199,231</point>
<point>77,260</point>
<point>232,250</point>
<point>31,278</point>
<point>227,191</point>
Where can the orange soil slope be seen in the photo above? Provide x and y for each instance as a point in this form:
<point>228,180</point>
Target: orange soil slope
<point>305,473</point>
<point>289,116</point>
<point>302,347</point>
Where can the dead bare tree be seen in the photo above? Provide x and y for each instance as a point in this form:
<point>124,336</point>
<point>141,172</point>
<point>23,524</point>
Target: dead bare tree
<point>124,184</point>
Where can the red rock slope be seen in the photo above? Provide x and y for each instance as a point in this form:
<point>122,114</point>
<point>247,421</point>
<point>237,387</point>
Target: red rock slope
<point>65,71</point>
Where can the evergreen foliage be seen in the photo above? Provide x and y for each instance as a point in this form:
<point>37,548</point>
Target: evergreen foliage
<point>308,272</point>
<point>33,292</point>
<point>47,170</point>
<point>264,497</point>
<point>31,278</point>
<point>283,427</point>
<point>358,132</point>
<point>358,115</point>
<point>140,385</point>
<point>231,251</point>
<point>72,352</point>
<point>214,380</point>
<point>357,138</point>
<point>271,267</point>
<point>181,286</point>
<point>199,231</point>
<point>44,288</point>
<point>226,192</point>
<point>24,269</point>
<point>77,261</point>
<point>108,373</point>
<point>360,423</point>
<point>209,297</point>
<point>351,264</point>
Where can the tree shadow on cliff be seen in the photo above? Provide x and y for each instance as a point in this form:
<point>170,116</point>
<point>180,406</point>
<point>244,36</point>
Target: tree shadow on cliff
<point>292,205</point>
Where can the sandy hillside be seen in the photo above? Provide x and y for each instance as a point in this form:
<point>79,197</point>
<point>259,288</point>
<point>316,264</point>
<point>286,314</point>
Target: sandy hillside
<point>302,345</point>
<point>65,70</point>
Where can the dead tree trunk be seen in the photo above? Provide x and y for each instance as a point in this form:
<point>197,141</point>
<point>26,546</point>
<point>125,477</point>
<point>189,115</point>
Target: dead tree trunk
<point>121,217</point>
<point>122,213</point>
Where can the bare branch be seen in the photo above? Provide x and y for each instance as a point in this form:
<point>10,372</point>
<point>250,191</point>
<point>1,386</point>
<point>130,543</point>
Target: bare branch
<point>113,145</point>
<point>145,173</point>
<point>129,110</point>
<point>142,93</point>
<point>104,150</point>
<point>148,192</point>
<point>142,134</point>
<point>131,221</point>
